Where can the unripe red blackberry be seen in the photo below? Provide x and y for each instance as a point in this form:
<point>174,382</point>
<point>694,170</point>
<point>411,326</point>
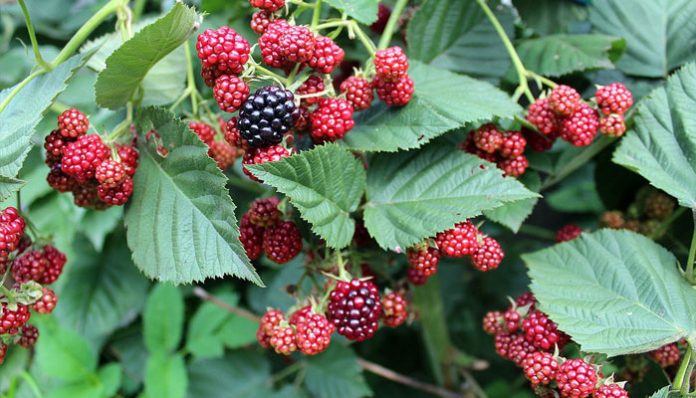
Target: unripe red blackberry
<point>56,261</point>
<point>612,219</point>
<point>313,333</point>
<point>11,231</point>
<point>11,320</point>
<point>327,55</point>
<point>81,158</point>
<point>519,349</point>
<point>576,378</point>
<point>3,352</point>
<point>232,135</point>
<point>612,125</point>
<point>129,158</point>
<point>564,100</point>
<point>85,195</point>
<point>581,126</point>
<point>614,98</point>
<point>542,117</point>
<point>224,49</point>
<point>251,237</point>
<point>526,299</point>
<point>203,130</point>
<point>540,368</point>
<point>391,63</point>
<point>568,232</point>
<point>268,5</point>
<point>28,337</point>
<point>269,321</point>
<point>658,205</point>
<point>302,123</point>
<point>269,43</point>
<point>60,181</point>
<point>541,331</point>
<point>355,309</point>
<point>54,144</point>
<point>513,144</point>
<point>263,155</point>
<point>332,119</point>
<point>223,153</point>
<point>110,173</point>
<point>416,277</point>
<point>394,93</point>
<point>460,241</point>
<point>383,14</point>
<point>502,344</point>
<point>264,212</point>
<point>313,85</point>
<point>667,355</point>
<point>30,266</point>
<point>537,141</point>
<point>230,92</point>
<point>488,138</point>
<point>424,259</point>
<point>610,391</point>
<point>297,44</point>
<point>47,302</point>
<point>488,256</point>
<point>358,92</point>
<point>72,123</point>
<point>493,323</point>
<point>118,195</point>
<point>514,167</point>
<point>394,309</point>
<point>511,320</point>
<point>284,340</point>
<point>282,242</point>
<point>300,315</point>
<point>260,21</point>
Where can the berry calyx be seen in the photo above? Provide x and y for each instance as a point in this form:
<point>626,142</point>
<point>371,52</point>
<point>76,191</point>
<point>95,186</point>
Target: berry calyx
<point>327,55</point>
<point>614,98</point>
<point>540,368</point>
<point>460,241</point>
<point>282,242</point>
<point>11,320</point>
<point>581,126</point>
<point>313,333</point>
<point>47,302</point>
<point>72,123</point>
<point>81,158</point>
<point>564,100</point>
<point>488,256</point>
<point>266,116</point>
<point>110,173</point>
<point>394,309</point>
<point>391,63</point>
<point>355,309</point>
<point>332,119</point>
<point>28,336</point>
<point>264,212</point>
<point>223,49</point>
<point>568,232</point>
<point>358,92</point>
<point>394,93</point>
<point>576,378</point>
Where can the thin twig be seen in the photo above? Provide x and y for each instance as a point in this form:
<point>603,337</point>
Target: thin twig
<point>203,294</point>
<point>405,380</point>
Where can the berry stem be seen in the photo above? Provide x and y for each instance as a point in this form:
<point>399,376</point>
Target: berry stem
<point>681,380</point>
<point>522,73</point>
<point>316,14</point>
<point>389,374</point>
<point>32,36</point>
<point>191,80</point>
<point>31,383</point>
<point>270,74</point>
<point>391,24</point>
<point>364,39</point>
<point>692,255</point>
<point>204,295</point>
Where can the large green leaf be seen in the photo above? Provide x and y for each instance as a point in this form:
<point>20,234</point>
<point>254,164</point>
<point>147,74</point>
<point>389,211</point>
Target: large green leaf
<point>63,353</point>
<point>129,64</point>
<point>245,374</point>
<point>23,113</point>
<point>456,35</point>
<point>414,195</point>
<point>166,376</point>
<point>551,16</point>
<point>364,11</point>
<point>559,55</point>
<point>324,184</point>
<point>335,373</point>
<point>181,223</point>
<point>513,214</point>
<point>163,318</point>
<point>662,144</point>
<point>661,393</point>
<point>614,292</point>
<point>103,290</point>
<point>659,33</point>
<point>442,102</point>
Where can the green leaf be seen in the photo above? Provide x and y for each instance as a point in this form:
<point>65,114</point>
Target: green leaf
<point>103,290</point>
<point>428,300</point>
<point>659,33</point>
<point>335,373</point>
<point>614,292</point>
<point>166,376</point>
<point>62,353</point>
<point>8,186</point>
<point>25,110</point>
<point>414,195</point>
<point>551,16</point>
<point>244,374</point>
<point>324,184</point>
<point>443,101</point>
<point>180,220</point>
<point>662,144</point>
<point>127,67</point>
<point>559,55</point>
<point>163,319</point>
<point>577,193</point>
<point>513,214</point>
<point>456,35</point>
<point>97,224</point>
<point>364,11</point>
<point>16,361</point>
<point>661,393</point>
<point>110,378</point>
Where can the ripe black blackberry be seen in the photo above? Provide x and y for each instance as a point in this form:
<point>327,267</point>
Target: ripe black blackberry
<point>266,116</point>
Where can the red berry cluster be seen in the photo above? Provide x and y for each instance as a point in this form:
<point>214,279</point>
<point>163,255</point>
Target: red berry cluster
<point>99,176</point>
<point>262,230</point>
<point>306,330</point>
<point>646,215</point>
<point>505,149</point>
<point>568,232</point>
<point>392,82</point>
<point>667,355</point>
<point>394,309</point>
<point>355,309</point>
<point>219,148</point>
<point>526,336</point>
<point>564,114</point>
<point>30,267</point>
